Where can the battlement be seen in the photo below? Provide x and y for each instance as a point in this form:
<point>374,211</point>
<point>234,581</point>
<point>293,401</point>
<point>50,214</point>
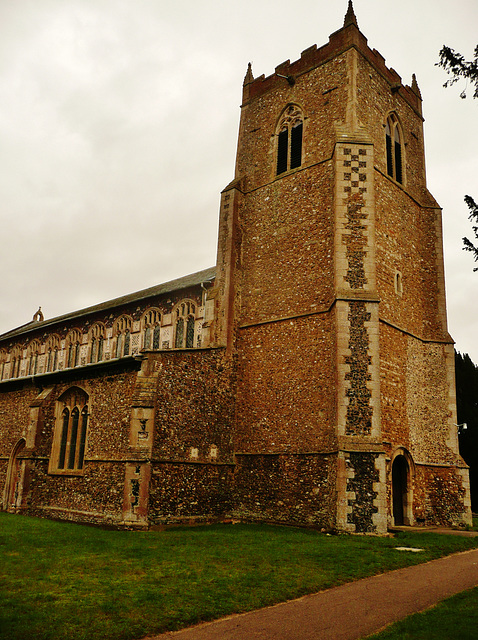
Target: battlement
<point>349,36</point>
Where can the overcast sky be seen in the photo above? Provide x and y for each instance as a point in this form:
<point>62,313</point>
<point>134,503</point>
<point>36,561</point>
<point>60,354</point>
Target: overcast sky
<point>118,128</point>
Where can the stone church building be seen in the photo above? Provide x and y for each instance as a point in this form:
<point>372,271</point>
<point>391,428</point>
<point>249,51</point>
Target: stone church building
<point>307,379</point>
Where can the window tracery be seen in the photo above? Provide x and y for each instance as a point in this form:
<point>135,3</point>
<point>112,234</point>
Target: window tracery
<point>33,351</point>
<point>185,319</point>
<point>289,140</point>
<point>151,326</point>
<point>72,346</point>
<point>3,360</point>
<point>97,339</point>
<point>16,357</point>
<point>68,452</point>
<point>52,349</point>
<point>394,148</point>
<point>123,336</point>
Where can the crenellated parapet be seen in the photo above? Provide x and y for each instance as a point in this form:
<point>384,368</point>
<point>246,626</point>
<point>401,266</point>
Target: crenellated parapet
<point>349,36</point>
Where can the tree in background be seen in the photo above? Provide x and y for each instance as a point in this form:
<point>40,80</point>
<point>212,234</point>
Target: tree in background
<point>468,244</point>
<point>456,65</point>
<point>466,373</point>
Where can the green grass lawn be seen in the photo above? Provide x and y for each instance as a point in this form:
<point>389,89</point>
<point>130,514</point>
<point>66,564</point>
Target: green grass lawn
<point>61,580</point>
<point>453,619</point>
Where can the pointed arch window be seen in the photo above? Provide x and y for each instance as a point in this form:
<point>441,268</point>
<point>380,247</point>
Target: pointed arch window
<point>123,336</point>
<point>68,451</point>
<point>151,324</point>
<point>97,339</point>
<point>394,146</point>
<point>15,361</point>
<point>52,349</point>
<point>33,353</point>
<point>3,359</point>
<point>289,140</point>
<point>185,321</point>
<point>73,344</point>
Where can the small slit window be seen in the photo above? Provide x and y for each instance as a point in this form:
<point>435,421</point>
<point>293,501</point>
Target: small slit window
<point>398,283</point>
<point>289,140</point>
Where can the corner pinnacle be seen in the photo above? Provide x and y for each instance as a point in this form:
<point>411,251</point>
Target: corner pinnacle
<point>249,77</point>
<point>350,16</point>
<point>415,88</point>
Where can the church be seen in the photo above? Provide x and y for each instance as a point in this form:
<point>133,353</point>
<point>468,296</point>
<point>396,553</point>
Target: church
<point>307,379</point>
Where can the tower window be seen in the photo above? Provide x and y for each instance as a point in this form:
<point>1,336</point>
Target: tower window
<point>394,145</point>
<point>398,283</point>
<point>289,140</point>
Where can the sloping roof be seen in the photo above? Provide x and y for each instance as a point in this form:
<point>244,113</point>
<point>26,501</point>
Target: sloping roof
<point>206,275</point>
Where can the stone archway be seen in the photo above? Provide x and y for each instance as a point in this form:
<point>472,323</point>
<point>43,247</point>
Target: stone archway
<point>401,476</point>
<point>12,495</point>
<point>400,486</point>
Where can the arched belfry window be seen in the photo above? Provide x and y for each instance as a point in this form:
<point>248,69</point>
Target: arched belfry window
<point>184,316</point>
<point>151,325</point>
<point>71,424</point>
<point>289,139</point>
<point>394,144</point>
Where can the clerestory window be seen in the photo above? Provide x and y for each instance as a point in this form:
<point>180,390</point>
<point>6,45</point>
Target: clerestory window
<point>52,350</point>
<point>123,336</point>
<point>97,340</point>
<point>33,353</point>
<point>73,345</point>
<point>3,360</point>
<point>394,144</point>
<point>15,361</point>
<point>185,319</point>
<point>289,140</point>
<point>151,329</point>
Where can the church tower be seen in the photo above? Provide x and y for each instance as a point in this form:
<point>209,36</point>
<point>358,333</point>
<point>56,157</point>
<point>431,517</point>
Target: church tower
<point>331,300</point>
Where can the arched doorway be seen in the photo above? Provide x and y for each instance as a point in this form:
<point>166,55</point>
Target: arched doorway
<point>12,494</point>
<point>400,488</point>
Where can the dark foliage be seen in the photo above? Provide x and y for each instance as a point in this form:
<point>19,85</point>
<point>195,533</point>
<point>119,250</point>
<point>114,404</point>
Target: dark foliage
<point>468,244</point>
<point>467,405</point>
<point>456,65</point>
